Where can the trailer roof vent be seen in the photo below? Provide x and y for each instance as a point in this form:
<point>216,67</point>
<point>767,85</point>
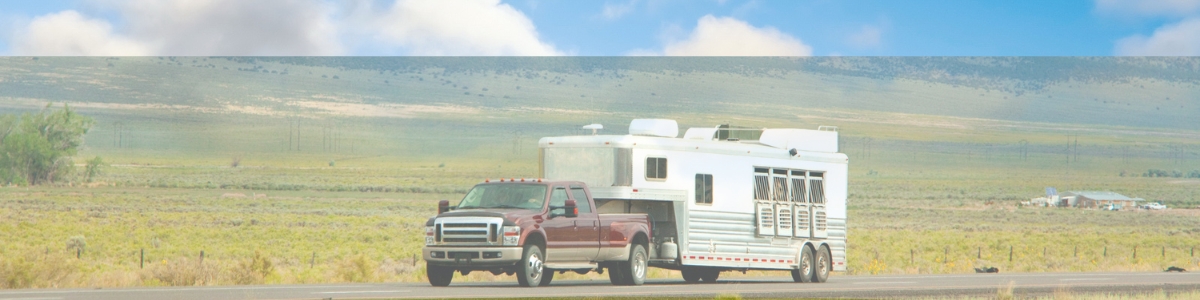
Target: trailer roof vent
<point>654,127</point>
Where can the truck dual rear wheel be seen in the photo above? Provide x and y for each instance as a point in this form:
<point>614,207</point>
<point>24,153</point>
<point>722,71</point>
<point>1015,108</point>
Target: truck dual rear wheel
<point>438,276</point>
<point>804,272</point>
<point>531,272</point>
<point>633,271</point>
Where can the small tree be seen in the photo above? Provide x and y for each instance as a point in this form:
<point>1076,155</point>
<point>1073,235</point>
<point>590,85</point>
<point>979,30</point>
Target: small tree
<point>94,167</point>
<point>37,148</point>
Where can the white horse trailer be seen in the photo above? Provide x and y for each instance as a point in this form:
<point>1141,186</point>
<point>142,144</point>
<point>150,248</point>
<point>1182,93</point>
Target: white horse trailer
<point>720,198</point>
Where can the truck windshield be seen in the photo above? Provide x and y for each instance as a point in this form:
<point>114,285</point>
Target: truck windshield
<point>512,196</point>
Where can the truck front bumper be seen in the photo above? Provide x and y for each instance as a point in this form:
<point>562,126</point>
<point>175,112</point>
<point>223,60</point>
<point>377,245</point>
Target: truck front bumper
<point>472,257</point>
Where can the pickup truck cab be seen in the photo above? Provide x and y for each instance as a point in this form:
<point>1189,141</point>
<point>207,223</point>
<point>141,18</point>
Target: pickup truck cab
<point>1154,206</point>
<point>533,228</point>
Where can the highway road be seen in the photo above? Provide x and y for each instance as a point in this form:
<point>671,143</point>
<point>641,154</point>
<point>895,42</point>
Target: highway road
<point>838,286</point>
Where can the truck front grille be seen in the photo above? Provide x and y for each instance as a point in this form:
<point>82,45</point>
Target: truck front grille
<point>469,231</point>
<point>465,240</point>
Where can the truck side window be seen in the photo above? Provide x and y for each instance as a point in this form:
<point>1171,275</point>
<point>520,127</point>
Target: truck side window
<point>581,199</point>
<point>558,198</point>
<point>704,186</point>
<point>656,168</point>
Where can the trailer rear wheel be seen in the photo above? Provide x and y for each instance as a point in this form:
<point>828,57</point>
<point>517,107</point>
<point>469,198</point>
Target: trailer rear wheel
<point>821,270</point>
<point>804,272</point>
<point>438,276</point>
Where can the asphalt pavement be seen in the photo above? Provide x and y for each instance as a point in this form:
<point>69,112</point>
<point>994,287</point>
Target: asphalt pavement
<point>781,287</point>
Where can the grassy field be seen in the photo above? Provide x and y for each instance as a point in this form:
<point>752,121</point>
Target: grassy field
<point>334,176</point>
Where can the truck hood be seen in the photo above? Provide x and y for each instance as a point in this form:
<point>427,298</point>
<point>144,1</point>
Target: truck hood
<point>509,215</point>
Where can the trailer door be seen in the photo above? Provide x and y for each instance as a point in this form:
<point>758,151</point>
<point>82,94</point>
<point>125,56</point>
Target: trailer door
<point>783,204</point>
<point>802,214</point>
<point>816,188</point>
<point>764,209</point>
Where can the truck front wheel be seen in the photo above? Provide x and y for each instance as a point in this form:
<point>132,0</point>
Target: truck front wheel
<point>439,276</point>
<point>531,271</point>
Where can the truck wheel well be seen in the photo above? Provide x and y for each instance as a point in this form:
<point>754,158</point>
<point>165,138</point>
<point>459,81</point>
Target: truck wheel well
<point>536,239</point>
<point>640,238</point>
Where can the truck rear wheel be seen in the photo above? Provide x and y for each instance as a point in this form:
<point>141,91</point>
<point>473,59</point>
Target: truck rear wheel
<point>633,271</point>
<point>804,272</point>
<point>821,268</point>
<point>438,276</point>
<point>638,260</point>
<point>531,271</point>
<point>616,274</point>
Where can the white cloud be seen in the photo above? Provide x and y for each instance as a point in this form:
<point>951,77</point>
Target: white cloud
<point>233,27</point>
<point>69,33</point>
<point>1179,39</point>
<point>614,11</point>
<point>186,27</point>
<point>869,36</point>
<point>460,27</point>
<point>283,27</point>
<point>1148,7</point>
<point>726,36</point>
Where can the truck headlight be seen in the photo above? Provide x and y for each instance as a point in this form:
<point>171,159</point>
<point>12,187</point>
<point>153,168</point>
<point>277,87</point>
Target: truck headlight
<point>429,236</point>
<point>512,235</point>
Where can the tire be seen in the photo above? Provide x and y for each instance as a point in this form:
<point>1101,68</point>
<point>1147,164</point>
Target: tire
<point>547,276</point>
<point>616,274</point>
<point>804,272</point>
<point>690,275</point>
<point>823,265</point>
<point>439,276</point>
<point>635,269</point>
<point>709,275</point>
<point>531,270</point>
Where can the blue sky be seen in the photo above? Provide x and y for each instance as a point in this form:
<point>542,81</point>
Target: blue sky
<point>600,28</point>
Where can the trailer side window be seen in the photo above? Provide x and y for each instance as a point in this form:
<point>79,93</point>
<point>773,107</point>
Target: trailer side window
<point>816,187</point>
<point>779,185</point>
<point>704,188</point>
<point>798,187</point>
<point>762,187</point>
<point>656,168</point>
<point>581,199</point>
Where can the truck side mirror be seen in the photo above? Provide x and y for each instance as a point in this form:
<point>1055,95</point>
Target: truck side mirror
<point>571,209</point>
<point>443,206</point>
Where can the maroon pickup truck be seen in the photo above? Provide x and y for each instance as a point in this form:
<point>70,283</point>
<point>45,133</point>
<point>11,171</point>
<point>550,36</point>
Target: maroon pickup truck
<point>533,228</point>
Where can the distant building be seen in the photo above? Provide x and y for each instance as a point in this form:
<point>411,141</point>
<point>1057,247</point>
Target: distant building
<point>1051,199</point>
<point>1094,199</point>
